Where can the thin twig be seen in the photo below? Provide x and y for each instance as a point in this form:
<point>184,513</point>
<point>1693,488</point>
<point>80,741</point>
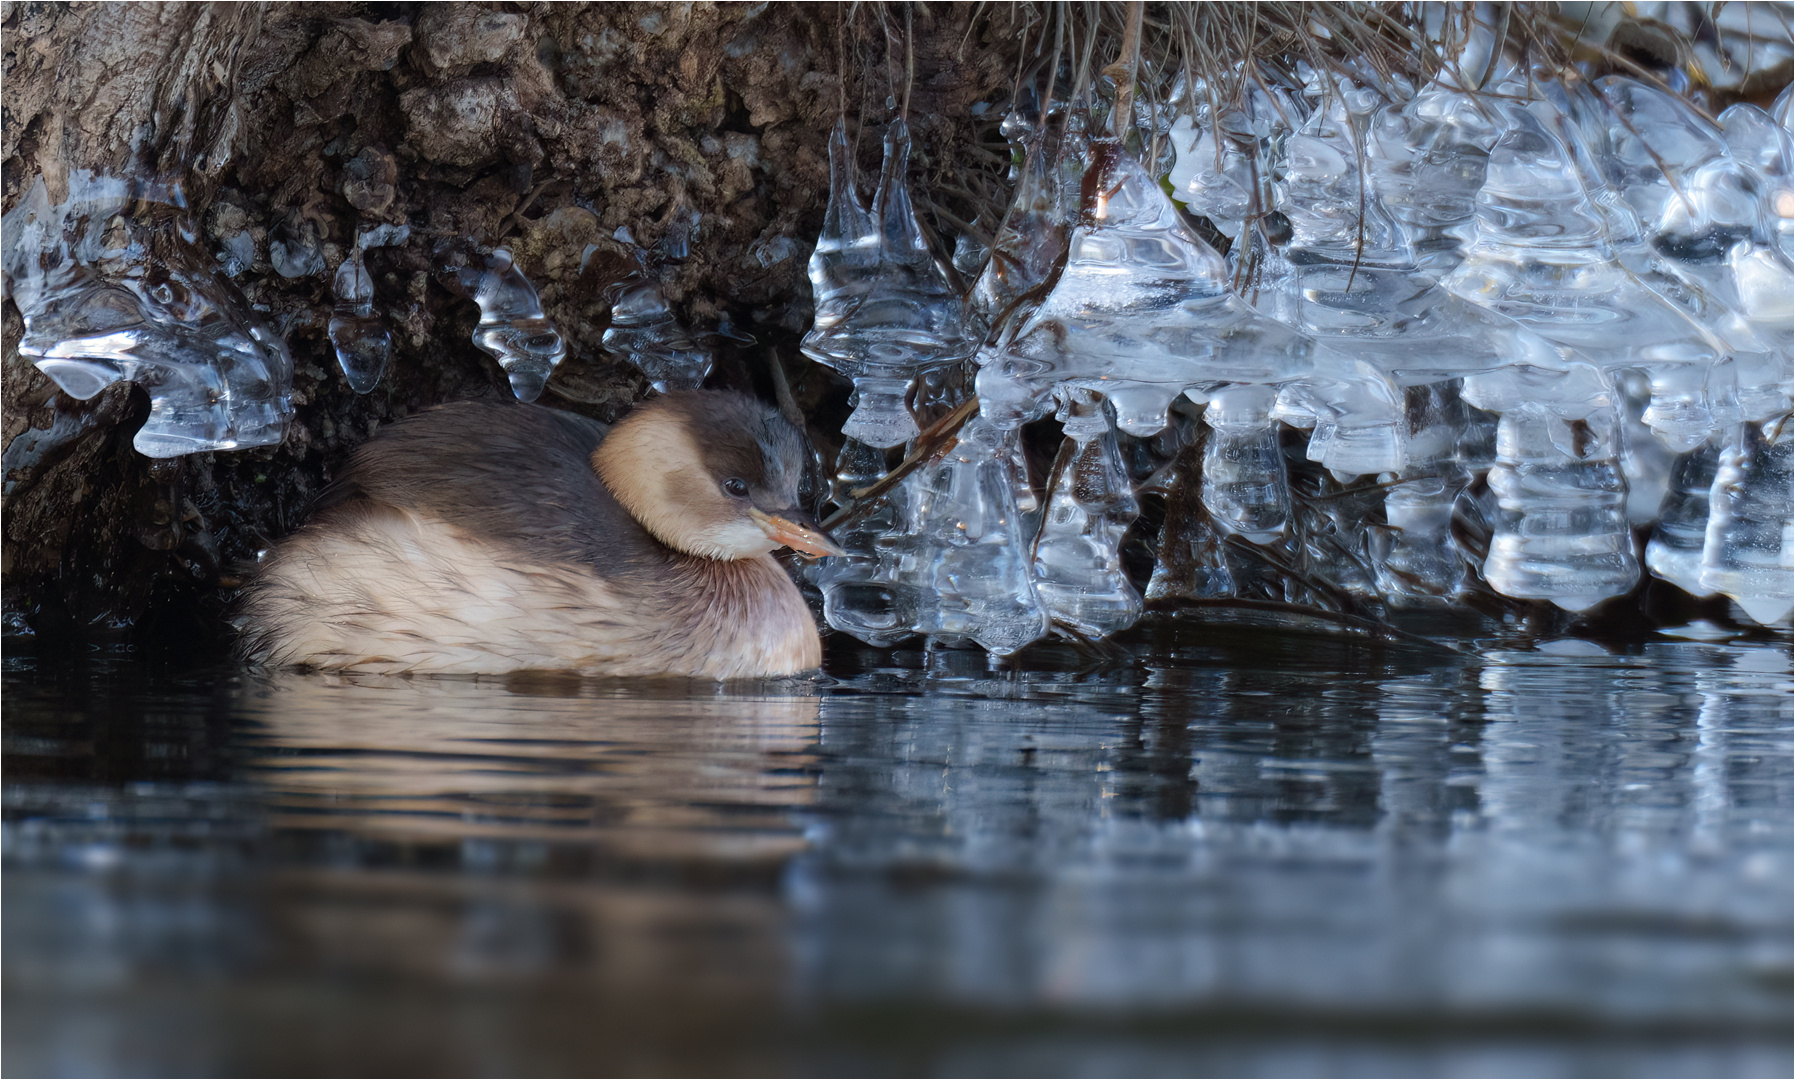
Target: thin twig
<point>1369,626</point>
<point>1127,71</point>
<point>937,440</point>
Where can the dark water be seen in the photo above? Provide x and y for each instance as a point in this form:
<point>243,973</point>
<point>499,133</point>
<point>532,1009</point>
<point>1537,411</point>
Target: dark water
<point>1245,853</point>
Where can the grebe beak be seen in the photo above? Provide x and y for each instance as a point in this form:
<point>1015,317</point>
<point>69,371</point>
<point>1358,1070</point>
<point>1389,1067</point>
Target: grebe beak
<point>797,530</point>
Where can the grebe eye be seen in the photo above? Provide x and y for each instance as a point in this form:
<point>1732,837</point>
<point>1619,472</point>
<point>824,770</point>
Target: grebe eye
<point>738,488</point>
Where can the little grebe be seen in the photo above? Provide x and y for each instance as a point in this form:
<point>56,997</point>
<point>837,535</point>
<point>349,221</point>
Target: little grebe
<point>483,538</point>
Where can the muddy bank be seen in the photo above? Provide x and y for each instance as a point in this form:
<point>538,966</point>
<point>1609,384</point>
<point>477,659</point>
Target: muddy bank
<point>563,132</point>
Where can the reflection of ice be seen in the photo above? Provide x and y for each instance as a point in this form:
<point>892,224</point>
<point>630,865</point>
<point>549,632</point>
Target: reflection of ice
<point>113,286</point>
<point>1293,837</point>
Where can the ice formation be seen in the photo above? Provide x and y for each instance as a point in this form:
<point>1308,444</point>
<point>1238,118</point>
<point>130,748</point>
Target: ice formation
<point>1090,504</point>
<point>645,332</point>
<point>871,592</point>
<point>969,556</point>
<point>512,329</point>
<point>357,332</point>
<point>1540,341</point>
<point>1245,485</point>
<point>1749,550</point>
<point>113,286</point>
<point>884,309</point>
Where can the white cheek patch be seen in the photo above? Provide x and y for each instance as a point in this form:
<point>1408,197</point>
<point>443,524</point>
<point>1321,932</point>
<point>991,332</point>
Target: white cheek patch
<point>733,540</point>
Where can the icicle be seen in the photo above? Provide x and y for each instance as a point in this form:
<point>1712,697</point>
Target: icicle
<point>884,308</point>
<point>1196,559</point>
<point>1749,552</point>
<point>1761,271</point>
<point>359,335</point>
<point>1245,487</point>
<point>1426,161</point>
<point>1674,553</point>
<point>645,332</point>
<point>1353,285</point>
<point>1765,147</point>
<point>867,594</point>
<point>1033,238</point>
<point>1542,257</point>
<point>1356,414</point>
<point>512,329</point>
<point>1220,163</point>
<point>1421,561</point>
<point>969,553</point>
<point>113,286</point>
<point>1708,246</point>
<point>1216,170</point>
<point>1561,531</point>
<point>1143,309</point>
<point>1077,559</point>
<point>1645,460</point>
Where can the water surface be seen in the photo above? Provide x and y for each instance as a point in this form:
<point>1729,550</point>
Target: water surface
<point>1243,852</point>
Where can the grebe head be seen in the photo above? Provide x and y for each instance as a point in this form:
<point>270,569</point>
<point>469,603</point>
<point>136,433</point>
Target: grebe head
<point>711,473</point>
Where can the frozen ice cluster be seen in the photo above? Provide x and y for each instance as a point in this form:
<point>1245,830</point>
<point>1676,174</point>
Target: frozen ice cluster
<point>1533,340</point>
<point>113,286</point>
<point>513,329</point>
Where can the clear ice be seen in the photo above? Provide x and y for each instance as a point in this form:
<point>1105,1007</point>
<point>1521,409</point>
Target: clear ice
<point>1419,561</point>
<point>1245,487</point>
<point>871,592</point>
<point>1520,326</point>
<point>1143,309</point>
<point>1217,170</point>
<point>1749,552</point>
<point>1542,256</point>
<point>1090,504</point>
<point>885,311</point>
<point>1427,159</point>
<point>645,332</point>
<point>1708,247</point>
<point>1561,532</point>
<point>357,332</point>
<point>512,329</point>
<point>113,286</point>
<point>1032,238</point>
<point>1674,552</point>
<point>969,554</point>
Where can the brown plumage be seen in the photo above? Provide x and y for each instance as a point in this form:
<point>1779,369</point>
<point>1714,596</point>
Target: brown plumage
<point>483,538</point>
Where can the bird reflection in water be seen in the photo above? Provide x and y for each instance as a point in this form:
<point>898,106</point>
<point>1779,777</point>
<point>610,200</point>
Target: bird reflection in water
<point>648,771</point>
